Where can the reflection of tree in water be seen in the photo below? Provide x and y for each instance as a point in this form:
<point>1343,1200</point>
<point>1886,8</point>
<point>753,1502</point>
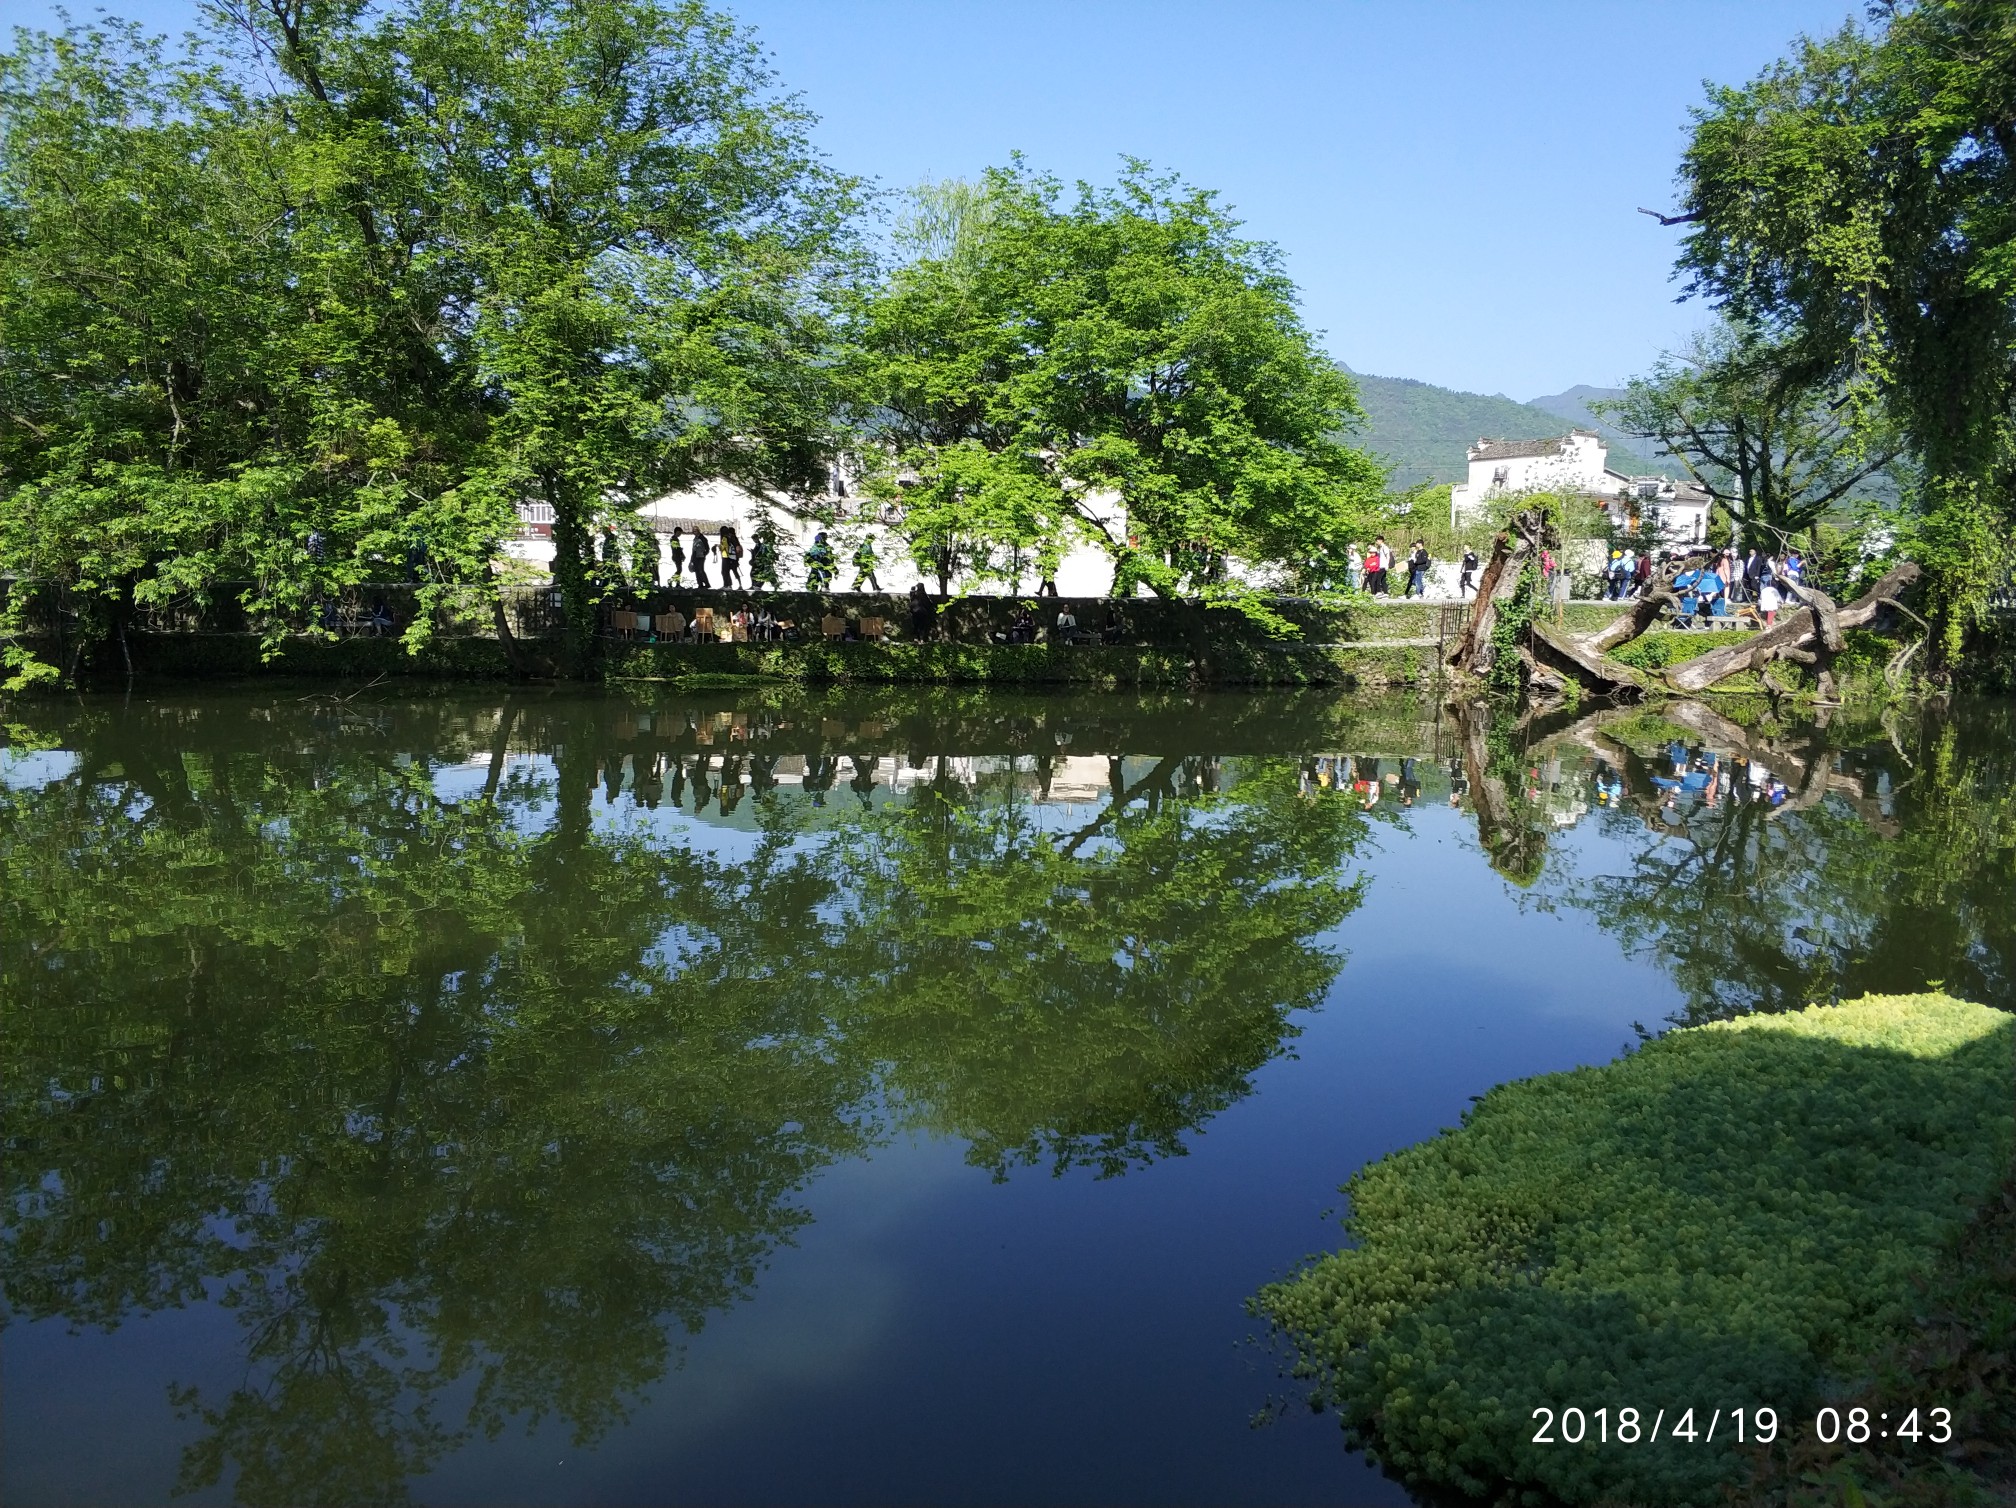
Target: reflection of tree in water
<point>436,1090</point>
<point>462,1136</point>
<point>1880,860</point>
<point>1088,1000</point>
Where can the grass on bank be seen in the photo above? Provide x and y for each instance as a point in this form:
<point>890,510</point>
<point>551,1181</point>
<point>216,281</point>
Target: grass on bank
<point>1736,1215</point>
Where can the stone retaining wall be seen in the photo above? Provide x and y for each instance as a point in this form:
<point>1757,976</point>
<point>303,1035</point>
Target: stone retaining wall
<point>1168,643</point>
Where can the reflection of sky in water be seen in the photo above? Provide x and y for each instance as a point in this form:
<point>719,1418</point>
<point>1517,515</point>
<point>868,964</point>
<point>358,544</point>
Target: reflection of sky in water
<point>34,770</point>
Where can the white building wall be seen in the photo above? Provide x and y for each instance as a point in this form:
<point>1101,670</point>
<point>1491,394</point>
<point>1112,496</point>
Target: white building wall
<point>1085,571</point>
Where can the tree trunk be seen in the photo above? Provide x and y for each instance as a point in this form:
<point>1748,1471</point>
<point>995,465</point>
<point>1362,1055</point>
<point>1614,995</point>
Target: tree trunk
<point>1567,654</point>
<point>1798,633</point>
<point>571,574</point>
<point>1510,553</point>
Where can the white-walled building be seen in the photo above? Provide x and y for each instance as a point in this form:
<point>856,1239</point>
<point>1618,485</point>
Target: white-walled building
<point>1579,462</point>
<point>1084,572</point>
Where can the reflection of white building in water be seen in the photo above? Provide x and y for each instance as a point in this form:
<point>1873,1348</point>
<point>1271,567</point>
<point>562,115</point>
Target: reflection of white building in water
<point>1579,462</point>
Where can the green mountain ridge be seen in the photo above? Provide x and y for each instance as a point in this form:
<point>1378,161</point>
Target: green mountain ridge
<point>1425,431</point>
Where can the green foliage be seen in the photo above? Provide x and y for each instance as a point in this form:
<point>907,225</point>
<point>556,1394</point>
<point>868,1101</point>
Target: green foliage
<point>1760,428</point>
<point>1732,1216</point>
<point>1860,197</point>
<point>321,304</point>
<point>1658,649</point>
<point>1130,344</point>
<point>1509,631</point>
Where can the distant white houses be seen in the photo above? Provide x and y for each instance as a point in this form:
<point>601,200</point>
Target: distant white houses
<point>1578,462</point>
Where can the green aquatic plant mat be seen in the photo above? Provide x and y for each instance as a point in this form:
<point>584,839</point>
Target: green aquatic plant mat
<point>1733,1216</point>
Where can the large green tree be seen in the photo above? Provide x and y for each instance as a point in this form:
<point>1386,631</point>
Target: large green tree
<point>1862,195</point>
<point>1128,345</point>
<point>218,363</point>
<point>324,302</point>
<point>1757,428</point>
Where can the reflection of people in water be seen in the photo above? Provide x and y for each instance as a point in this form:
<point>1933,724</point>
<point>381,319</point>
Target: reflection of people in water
<point>1609,784</point>
<point>820,772</point>
<point>863,784</point>
<point>1459,782</point>
<point>762,775</point>
<point>1410,783</point>
<point>731,785</point>
<point>702,791</point>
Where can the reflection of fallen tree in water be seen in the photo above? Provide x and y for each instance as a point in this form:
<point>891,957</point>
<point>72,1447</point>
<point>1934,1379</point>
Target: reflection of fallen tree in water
<point>1496,753</point>
<point>1770,869</point>
<point>1508,829</point>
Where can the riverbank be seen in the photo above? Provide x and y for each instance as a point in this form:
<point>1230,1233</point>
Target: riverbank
<point>1670,1234</point>
<point>1164,644</point>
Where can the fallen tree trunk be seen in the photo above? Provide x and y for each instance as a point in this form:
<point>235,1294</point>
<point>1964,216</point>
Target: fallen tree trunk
<point>1586,657</point>
<point>1568,654</point>
<point>1819,624</point>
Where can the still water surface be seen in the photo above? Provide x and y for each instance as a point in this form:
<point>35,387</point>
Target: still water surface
<point>834,1097</point>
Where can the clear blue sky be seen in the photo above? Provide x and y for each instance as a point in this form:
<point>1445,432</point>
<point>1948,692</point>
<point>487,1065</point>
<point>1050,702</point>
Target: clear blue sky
<point>1454,184</point>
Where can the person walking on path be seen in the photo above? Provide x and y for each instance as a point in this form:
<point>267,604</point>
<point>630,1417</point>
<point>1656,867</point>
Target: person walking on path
<point>1353,569</point>
<point>864,564</point>
<point>819,564</point>
<point>678,548</point>
<point>1417,570</point>
<point>698,557</point>
<point>731,557</point>
<point>1466,584</point>
<point>920,613</point>
<point>1375,567</point>
<point>763,562</point>
<point>1641,574</point>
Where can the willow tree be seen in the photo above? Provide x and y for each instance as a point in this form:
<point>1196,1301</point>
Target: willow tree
<point>1862,196</point>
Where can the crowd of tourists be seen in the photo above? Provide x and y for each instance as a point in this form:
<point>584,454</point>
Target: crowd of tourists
<point>1712,584</point>
<point>1371,570</point>
<point>1709,585</point>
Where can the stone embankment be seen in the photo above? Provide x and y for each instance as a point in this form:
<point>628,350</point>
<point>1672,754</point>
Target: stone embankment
<point>1159,643</point>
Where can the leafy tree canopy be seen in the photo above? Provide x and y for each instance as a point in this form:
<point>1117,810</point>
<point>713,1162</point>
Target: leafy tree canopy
<point>325,297</point>
<point>1860,196</point>
<point>1044,355</point>
<point>1757,428</point>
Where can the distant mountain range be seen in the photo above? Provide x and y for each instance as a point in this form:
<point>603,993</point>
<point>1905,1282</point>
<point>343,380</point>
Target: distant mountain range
<point>1426,431</point>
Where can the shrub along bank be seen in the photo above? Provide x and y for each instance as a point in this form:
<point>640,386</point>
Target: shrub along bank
<point>1731,1217</point>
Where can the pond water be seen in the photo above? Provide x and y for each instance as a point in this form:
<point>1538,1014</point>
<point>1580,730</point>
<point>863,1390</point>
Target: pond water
<point>835,1097</point>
